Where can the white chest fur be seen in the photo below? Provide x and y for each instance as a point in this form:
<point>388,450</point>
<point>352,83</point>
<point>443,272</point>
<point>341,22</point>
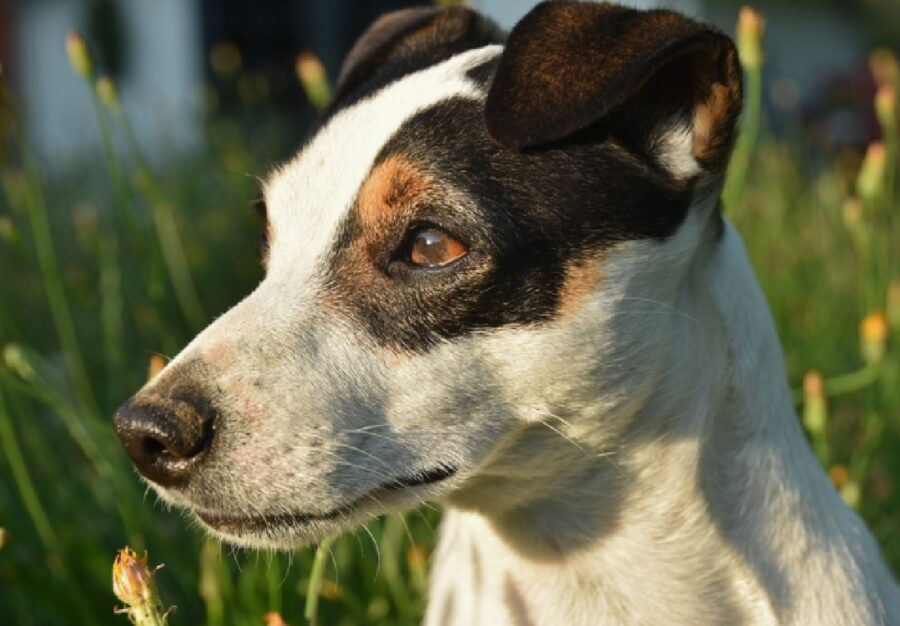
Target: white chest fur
<point>721,516</point>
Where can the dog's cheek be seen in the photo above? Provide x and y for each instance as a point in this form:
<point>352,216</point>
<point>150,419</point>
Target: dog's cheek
<point>449,403</point>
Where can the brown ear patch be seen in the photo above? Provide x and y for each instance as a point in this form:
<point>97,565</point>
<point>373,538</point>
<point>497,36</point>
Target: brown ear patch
<point>708,118</point>
<point>581,280</point>
<point>716,114</point>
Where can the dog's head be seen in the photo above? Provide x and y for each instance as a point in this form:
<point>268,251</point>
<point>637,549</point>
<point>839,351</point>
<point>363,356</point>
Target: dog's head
<point>471,256</point>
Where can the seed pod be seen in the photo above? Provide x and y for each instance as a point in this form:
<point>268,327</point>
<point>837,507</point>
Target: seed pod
<point>751,28</point>
<point>79,55</point>
<point>107,93</point>
<point>873,332</point>
<point>870,181</point>
<point>839,476</point>
<point>274,619</point>
<point>815,411</point>
<point>886,109</point>
<point>15,359</point>
<point>851,493</point>
<point>313,78</point>
<point>884,66</point>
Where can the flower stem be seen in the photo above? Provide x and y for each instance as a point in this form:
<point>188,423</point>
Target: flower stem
<point>315,580</point>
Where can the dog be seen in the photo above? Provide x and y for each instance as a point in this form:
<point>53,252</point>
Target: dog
<point>498,277</point>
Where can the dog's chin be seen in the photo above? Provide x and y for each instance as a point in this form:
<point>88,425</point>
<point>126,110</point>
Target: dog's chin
<point>297,529</point>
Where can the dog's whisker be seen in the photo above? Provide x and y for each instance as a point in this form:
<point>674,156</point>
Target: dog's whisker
<point>334,563</point>
<point>564,436</point>
<point>361,451</point>
<point>365,528</point>
<point>362,429</point>
<point>234,556</point>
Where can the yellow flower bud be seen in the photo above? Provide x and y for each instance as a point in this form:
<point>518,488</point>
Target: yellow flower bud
<point>133,584</point>
<point>886,108</point>
<point>274,619</point>
<point>314,79</point>
<point>885,69</point>
<point>851,494</point>
<point>751,28</point>
<point>106,92</point>
<point>873,332</point>
<point>309,68</point>
<point>15,359</point>
<point>870,181</point>
<point>79,55</point>
<point>815,411</point>
<point>839,476</point>
<point>131,577</point>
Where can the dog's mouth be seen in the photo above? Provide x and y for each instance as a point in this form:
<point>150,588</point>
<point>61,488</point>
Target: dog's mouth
<point>270,524</point>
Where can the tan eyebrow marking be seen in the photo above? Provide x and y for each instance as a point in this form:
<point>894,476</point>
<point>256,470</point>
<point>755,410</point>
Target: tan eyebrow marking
<point>391,190</point>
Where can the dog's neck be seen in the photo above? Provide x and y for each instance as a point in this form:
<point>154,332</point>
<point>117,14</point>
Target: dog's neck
<point>714,510</point>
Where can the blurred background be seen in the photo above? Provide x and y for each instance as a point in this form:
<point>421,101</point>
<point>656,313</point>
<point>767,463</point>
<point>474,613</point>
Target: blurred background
<point>169,57</point>
<point>129,155</point>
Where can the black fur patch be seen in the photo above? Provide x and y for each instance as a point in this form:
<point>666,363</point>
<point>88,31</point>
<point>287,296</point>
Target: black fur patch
<point>526,216</point>
<point>568,65</point>
<point>404,42</point>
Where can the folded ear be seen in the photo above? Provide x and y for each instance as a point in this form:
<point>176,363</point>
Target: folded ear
<point>669,85</point>
<point>414,38</point>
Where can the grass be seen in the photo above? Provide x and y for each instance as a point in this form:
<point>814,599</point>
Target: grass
<point>103,270</point>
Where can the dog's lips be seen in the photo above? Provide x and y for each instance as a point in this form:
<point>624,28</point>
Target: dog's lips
<point>242,524</point>
<point>267,524</point>
<point>434,475</point>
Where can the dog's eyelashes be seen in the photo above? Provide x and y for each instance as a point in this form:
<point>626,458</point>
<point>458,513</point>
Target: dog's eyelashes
<point>432,247</point>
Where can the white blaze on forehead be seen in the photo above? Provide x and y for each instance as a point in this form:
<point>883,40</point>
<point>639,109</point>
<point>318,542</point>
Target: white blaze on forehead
<point>308,198</point>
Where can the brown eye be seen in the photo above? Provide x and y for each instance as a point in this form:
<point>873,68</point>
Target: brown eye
<point>431,247</point>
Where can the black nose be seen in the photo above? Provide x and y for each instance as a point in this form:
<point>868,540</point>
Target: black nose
<point>165,437</point>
